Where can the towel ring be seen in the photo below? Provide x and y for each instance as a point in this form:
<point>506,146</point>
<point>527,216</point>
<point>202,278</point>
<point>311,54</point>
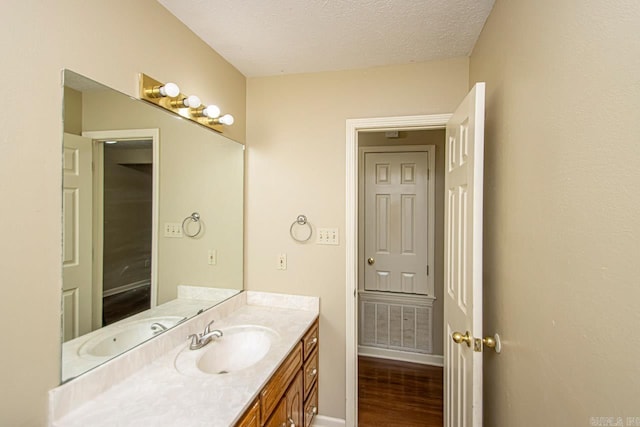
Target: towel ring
<point>300,220</point>
<point>194,217</point>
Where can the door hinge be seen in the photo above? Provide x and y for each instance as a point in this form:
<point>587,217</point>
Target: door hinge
<point>428,174</point>
<point>427,270</point>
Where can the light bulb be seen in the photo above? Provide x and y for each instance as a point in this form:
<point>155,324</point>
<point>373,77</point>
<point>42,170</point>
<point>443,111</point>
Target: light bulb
<point>227,119</point>
<point>192,102</point>
<point>170,89</point>
<point>212,111</point>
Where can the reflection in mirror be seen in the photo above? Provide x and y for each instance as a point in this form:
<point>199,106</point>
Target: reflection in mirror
<point>133,174</point>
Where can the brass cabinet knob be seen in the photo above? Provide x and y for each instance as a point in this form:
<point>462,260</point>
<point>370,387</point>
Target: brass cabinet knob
<point>459,338</point>
<point>371,261</point>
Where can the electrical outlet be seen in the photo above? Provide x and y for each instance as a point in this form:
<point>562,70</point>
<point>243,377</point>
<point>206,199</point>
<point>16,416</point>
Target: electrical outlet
<point>328,236</point>
<point>282,262</point>
<point>172,229</point>
<point>212,257</point>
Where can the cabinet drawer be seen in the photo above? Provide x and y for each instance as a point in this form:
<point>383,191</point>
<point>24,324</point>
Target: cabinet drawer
<point>310,372</point>
<point>311,340</point>
<point>275,388</point>
<point>311,406</point>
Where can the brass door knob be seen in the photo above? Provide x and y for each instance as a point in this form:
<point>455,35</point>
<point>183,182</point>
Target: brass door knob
<point>489,342</point>
<point>459,338</point>
<point>371,261</point>
<point>493,342</point>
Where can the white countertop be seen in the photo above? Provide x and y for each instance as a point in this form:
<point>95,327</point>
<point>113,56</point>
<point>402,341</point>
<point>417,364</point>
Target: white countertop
<point>159,395</point>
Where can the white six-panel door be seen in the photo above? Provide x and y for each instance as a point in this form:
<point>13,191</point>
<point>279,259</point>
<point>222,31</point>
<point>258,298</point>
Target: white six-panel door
<point>463,261</point>
<point>396,223</point>
<point>77,236</point>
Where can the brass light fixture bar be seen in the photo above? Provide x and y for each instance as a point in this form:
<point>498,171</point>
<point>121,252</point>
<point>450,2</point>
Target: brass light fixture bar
<point>169,97</point>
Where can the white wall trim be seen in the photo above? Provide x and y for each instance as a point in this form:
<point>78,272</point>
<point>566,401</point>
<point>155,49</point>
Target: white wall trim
<point>383,353</point>
<point>322,421</point>
<point>353,126</point>
<point>154,135</point>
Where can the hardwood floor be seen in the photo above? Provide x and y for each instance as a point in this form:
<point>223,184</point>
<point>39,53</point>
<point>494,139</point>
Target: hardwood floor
<point>125,304</point>
<point>398,394</point>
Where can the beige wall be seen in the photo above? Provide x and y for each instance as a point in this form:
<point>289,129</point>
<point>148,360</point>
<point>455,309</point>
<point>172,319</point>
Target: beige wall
<point>296,165</point>
<point>110,42</point>
<point>561,210</point>
<point>425,137</point>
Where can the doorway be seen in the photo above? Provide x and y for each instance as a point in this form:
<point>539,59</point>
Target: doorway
<point>400,245</point>
<point>126,181</point>
<point>126,206</point>
<point>354,128</point>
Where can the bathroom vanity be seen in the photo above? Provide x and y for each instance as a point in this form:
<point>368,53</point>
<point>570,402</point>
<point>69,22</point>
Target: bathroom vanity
<point>263,371</point>
<point>290,398</point>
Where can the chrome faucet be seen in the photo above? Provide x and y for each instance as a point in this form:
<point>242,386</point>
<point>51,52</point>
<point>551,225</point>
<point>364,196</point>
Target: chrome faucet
<point>157,327</point>
<point>200,340</point>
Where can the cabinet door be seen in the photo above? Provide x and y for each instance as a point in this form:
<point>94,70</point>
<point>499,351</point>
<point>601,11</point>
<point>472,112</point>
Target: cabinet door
<point>272,393</point>
<point>279,416</point>
<point>252,417</point>
<point>295,400</point>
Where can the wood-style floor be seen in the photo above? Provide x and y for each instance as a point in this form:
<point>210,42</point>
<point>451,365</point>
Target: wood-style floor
<point>125,304</point>
<point>398,394</point>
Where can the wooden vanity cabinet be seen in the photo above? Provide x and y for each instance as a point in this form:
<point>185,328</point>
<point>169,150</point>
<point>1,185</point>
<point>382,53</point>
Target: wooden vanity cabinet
<point>290,398</point>
<point>251,418</point>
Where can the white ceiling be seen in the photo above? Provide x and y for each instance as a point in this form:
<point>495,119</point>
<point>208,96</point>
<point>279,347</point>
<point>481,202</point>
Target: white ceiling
<point>269,37</point>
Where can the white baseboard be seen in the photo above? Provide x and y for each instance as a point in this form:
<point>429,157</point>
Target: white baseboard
<point>383,353</point>
<point>322,421</point>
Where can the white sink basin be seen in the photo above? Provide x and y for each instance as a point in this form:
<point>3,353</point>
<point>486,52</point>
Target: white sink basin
<point>239,348</point>
<point>116,339</point>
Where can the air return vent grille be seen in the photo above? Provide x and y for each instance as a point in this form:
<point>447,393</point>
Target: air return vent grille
<point>395,325</point>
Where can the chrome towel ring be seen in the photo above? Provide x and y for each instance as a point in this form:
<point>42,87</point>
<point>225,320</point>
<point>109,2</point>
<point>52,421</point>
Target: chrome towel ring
<point>301,220</point>
<point>194,217</point>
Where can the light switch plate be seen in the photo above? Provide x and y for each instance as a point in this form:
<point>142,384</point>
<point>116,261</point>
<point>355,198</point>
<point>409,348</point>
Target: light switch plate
<point>328,236</point>
<point>172,229</point>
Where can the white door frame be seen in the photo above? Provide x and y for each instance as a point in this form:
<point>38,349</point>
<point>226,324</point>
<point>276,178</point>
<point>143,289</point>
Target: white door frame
<point>436,121</point>
<point>129,134</point>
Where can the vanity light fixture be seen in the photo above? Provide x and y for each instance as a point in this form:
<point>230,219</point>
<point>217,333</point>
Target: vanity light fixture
<point>170,90</point>
<point>168,96</point>
<point>227,119</point>
<point>210,111</point>
<point>188,102</point>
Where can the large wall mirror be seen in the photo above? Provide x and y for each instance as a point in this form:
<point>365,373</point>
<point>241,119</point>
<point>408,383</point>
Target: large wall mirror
<point>136,260</point>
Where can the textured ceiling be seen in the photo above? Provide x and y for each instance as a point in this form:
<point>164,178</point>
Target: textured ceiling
<point>268,37</point>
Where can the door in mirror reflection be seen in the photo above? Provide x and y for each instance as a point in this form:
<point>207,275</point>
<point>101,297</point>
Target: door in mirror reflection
<point>76,240</point>
<point>126,168</point>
